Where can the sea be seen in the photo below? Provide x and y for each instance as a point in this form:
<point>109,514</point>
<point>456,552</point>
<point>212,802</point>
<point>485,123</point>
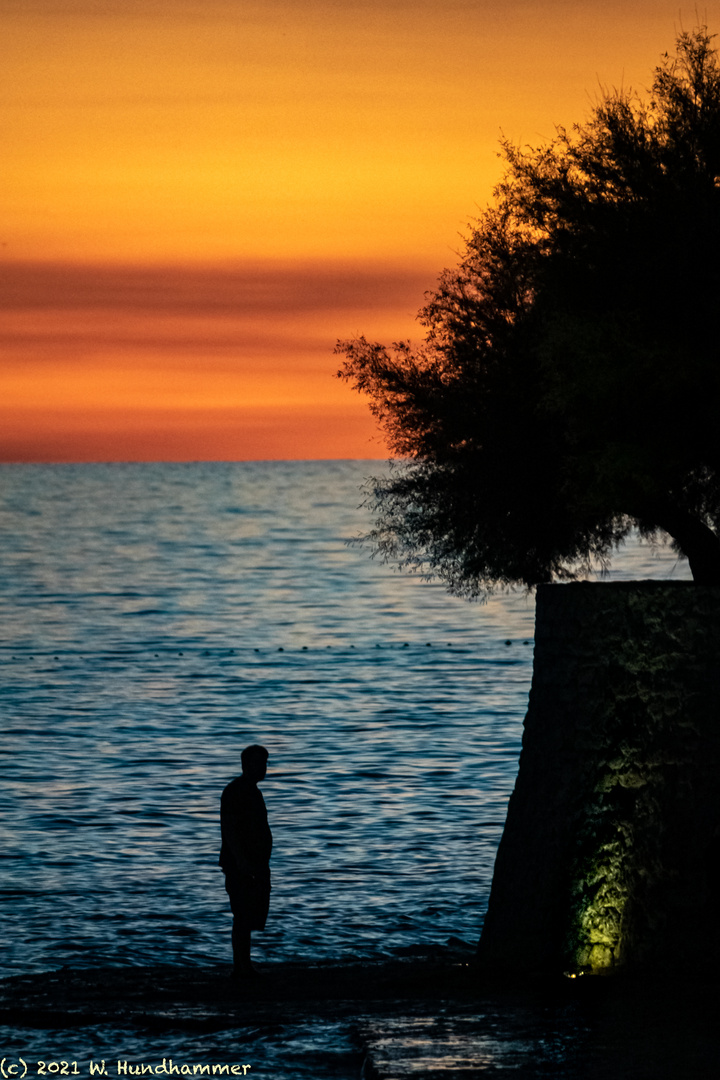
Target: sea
<point>157,618</point>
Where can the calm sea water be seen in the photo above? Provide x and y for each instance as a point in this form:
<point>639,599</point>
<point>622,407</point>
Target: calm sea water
<point>155,619</point>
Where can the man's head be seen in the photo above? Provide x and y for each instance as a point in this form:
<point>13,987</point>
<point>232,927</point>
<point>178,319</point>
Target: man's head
<point>254,762</point>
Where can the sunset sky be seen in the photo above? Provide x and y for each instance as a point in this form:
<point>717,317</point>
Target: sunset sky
<point>201,196</point>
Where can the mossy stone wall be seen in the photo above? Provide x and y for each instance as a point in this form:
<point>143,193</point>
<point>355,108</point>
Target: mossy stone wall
<point>610,851</point>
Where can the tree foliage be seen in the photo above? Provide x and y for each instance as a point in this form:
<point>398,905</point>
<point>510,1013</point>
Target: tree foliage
<point>569,384</point>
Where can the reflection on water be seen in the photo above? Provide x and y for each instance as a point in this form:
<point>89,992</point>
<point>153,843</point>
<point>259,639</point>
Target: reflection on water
<point>156,619</point>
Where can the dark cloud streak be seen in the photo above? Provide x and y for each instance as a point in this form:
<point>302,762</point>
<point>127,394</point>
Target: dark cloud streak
<point>273,289</point>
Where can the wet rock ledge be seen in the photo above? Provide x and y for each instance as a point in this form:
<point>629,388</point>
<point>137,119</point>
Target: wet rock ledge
<point>424,1019</point>
<point>208,999</point>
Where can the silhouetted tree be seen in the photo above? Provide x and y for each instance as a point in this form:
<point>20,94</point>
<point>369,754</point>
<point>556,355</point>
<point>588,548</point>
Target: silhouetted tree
<point>569,385</point>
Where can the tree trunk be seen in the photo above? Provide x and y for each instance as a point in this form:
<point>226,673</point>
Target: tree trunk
<point>698,543</point>
<point>610,853</point>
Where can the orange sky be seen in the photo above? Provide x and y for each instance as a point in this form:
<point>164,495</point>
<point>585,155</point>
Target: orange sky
<point>199,198</point>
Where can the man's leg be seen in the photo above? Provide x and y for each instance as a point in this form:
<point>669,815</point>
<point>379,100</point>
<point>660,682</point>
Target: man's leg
<point>241,948</point>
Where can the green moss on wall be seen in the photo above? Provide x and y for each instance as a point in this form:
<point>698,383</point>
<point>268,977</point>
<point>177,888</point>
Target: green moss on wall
<point>609,851</point>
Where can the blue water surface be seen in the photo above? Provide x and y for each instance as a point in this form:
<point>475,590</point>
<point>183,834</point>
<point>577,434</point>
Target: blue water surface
<point>157,618</point>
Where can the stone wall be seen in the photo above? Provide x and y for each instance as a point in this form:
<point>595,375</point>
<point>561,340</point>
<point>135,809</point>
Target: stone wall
<point>611,847</point>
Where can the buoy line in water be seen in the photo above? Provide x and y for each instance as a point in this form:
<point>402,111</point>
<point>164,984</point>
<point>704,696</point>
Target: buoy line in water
<point>223,653</point>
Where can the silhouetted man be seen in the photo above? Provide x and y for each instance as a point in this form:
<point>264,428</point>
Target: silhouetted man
<point>245,854</point>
